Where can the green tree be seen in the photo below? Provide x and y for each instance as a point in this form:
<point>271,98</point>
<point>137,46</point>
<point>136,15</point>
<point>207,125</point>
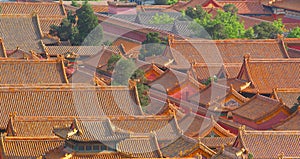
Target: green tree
<point>198,12</point>
<point>224,25</point>
<point>279,25</point>
<point>85,31</point>
<point>112,61</point>
<point>63,31</point>
<point>139,75</point>
<point>266,30</point>
<point>162,19</point>
<point>295,33</point>
<point>90,32</point>
<point>230,8</point>
<point>170,2</point>
<point>122,71</point>
<point>152,46</point>
<point>74,3</point>
<point>249,33</point>
<point>209,80</point>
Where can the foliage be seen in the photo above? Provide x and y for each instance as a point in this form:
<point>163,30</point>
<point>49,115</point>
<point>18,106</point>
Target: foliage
<point>90,32</point>
<point>74,3</point>
<point>152,46</point>
<point>85,31</point>
<point>198,12</point>
<point>162,19</point>
<point>161,2</point>
<point>249,33</point>
<point>170,2</point>
<point>63,31</point>
<point>143,94</point>
<point>279,25</point>
<point>225,25</point>
<point>250,156</point>
<point>107,43</point>
<point>112,61</point>
<point>123,71</point>
<point>141,87</point>
<point>230,8</point>
<point>295,33</point>
<point>209,80</point>
<point>266,30</point>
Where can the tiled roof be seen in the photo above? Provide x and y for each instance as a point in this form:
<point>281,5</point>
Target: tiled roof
<point>287,4</point>
<point>21,54</point>
<point>128,44</point>
<point>166,127</point>
<point>180,5</point>
<point>60,153</point>
<point>290,123</point>
<point>248,7</point>
<point>293,53</point>
<point>258,108</point>
<point>43,9</point>
<point>268,74</point>
<point>2,49</point>
<point>100,8</point>
<point>91,130</point>
<point>30,72</point>
<point>217,142</point>
<point>37,126</point>
<point>270,144</point>
<point>138,146</point>
<point>222,51</point>
<point>46,22</point>
<point>202,71</point>
<point>82,75</point>
<point>80,50</point>
<point>182,147</point>
<point>194,125</point>
<point>67,100</point>
<point>250,21</point>
<point>168,80</point>
<point>21,31</point>
<point>288,96</point>
<point>24,147</point>
<point>213,92</point>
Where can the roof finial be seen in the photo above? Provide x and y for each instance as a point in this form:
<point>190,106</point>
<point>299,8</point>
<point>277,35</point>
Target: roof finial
<point>246,57</point>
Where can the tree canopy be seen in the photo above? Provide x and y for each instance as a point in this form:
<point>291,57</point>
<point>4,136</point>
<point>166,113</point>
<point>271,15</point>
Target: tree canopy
<point>162,19</point>
<point>295,33</point>
<point>81,28</point>
<point>152,46</point>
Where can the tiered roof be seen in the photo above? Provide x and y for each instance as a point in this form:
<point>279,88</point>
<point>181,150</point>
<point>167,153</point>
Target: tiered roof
<point>27,147</point>
<point>37,126</point>
<point>91,130</point>
<point>194,125</point>
<point>32,71</point>
<point>80,50</point>
<point>222,51</point>
<point>21,31</point>
<point>46,22</point>
<point>43,9</point>
<point>138,146</point>
<point>287,95</point>
<point>186,147</point>
<point>166,127</point>
<point>286,4</point>
<point>202,71</point>
<point>217,93</point>
<point>261,110</point>
<point>68,100</point>
<point>268,74</point>
<point>244,7</point>
<point>269,144</point>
